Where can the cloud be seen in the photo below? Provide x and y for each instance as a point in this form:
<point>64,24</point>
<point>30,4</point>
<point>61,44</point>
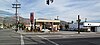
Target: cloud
<point>5,13</point>
<point>67,10</point>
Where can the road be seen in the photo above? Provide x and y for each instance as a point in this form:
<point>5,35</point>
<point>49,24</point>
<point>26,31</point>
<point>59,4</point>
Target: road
<point>9,37</point>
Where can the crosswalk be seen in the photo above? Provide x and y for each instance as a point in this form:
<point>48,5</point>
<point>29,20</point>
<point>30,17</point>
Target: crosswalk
<point>10,37</point>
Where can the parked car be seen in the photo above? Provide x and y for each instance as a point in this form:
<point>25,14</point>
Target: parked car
<point>45,30</point>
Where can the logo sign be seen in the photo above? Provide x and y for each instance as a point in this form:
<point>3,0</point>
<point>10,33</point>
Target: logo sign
<point>31,17</point>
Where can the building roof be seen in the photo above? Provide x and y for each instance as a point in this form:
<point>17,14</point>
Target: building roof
<point>47,20</point>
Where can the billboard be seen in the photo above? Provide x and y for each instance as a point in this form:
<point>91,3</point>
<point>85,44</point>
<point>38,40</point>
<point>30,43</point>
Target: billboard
<point>91,24</point>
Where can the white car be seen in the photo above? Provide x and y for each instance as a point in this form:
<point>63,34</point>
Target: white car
<point>45,30</point>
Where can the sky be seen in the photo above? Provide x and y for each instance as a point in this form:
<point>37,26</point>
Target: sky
<point>67,10</point>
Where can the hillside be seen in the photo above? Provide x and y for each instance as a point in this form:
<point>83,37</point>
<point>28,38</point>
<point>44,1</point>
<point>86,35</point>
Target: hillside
<point>12,20</point>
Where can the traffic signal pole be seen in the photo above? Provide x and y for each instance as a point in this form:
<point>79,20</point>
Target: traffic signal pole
<point>79,24</point>
<point>31,20</point>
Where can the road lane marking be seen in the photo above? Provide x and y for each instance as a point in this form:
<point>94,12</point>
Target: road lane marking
<point>22,40</point>
<point>48,40</point>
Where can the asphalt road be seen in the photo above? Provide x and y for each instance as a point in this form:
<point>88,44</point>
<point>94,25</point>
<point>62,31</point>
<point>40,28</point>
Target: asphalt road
<point>9,37</point>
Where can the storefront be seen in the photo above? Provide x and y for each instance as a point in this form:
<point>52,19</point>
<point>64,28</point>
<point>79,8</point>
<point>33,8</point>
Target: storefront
<point>52,25</point>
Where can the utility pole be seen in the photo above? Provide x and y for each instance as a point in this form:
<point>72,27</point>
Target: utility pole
<point>79,24</point>
<point>16,6</point>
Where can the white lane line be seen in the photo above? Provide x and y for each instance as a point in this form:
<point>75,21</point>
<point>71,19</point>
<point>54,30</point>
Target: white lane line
<point>48,40</point>
<point>22,40</point>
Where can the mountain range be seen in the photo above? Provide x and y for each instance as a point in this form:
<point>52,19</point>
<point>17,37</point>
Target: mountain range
<point>12,20</point>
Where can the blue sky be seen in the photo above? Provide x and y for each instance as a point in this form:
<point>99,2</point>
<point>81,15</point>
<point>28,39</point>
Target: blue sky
<point>67,10</point>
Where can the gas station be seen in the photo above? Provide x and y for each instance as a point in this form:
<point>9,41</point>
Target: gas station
<point>52,25</point>
<point>43,25</point>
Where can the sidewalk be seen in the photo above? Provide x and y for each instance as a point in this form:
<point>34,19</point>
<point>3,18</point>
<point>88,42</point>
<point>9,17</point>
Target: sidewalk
<point>72,32</point>
<point>60,32</point>
<point>23,32</point>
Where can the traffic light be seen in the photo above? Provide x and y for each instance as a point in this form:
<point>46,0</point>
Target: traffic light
<point>51,1</point>
<point>47,2</point>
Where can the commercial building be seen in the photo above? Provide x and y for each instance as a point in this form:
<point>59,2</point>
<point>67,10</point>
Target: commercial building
<point>52,25</point>
<point>92,26</point>
<point>39,25</point>
<point>74,27</point>
<point>86,26</point>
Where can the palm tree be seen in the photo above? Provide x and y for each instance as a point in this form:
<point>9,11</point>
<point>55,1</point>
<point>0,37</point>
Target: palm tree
<point>48,1</point>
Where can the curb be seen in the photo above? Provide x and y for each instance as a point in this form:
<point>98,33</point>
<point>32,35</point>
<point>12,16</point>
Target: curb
<point>62,33</point>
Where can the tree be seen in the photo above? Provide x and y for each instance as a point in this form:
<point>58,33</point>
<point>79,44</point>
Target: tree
<point>61,27</point>
<point>66,26</point>
<point>0,24</point>
<point>72,22</point>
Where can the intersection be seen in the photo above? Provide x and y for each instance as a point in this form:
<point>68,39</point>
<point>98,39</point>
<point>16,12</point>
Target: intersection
<point>10,37</point>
